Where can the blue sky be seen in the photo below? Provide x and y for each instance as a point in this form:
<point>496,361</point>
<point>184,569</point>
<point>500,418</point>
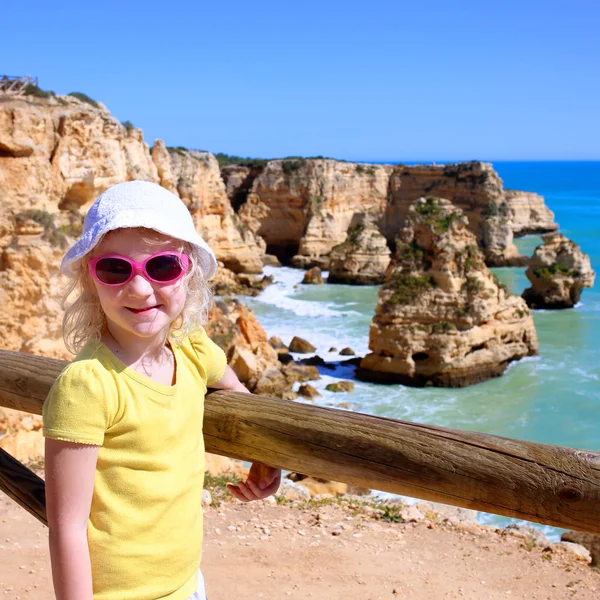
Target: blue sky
<point>379,80</point>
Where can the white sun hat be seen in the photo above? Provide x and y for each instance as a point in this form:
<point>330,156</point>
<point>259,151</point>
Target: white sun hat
<point>138,204</point>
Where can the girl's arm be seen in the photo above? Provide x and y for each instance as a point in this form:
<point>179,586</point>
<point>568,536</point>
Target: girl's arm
<point>262,480</point>
<point>70,470</point>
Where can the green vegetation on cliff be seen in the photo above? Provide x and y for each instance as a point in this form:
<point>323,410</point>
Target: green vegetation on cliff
<point>406,287</point>
<point>555,269</point>
<point>434,215</point>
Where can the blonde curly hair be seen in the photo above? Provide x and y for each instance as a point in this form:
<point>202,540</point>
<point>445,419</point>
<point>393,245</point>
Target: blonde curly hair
<point>84,319</point>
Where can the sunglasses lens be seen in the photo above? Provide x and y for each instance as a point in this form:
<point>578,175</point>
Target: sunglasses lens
<point>164,268</point>
<point>113,271</point>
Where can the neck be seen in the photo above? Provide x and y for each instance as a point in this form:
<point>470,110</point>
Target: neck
<point>131,349</point>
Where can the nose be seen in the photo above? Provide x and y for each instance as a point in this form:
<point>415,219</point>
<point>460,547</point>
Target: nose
<point>140,286</point>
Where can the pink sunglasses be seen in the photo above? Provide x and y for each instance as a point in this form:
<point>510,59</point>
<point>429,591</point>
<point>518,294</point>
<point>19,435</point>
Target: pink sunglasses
<point>162,267</point>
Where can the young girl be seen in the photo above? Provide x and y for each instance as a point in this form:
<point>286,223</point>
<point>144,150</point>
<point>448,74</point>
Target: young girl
<point>123,422</point>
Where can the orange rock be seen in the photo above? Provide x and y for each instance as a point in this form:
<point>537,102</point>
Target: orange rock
<point>251,329</point>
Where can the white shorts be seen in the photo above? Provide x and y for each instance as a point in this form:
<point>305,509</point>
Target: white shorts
<point>200,593</point>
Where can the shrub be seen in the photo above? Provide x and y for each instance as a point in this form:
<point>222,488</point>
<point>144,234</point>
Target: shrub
<point>289,165</point>
<point>491,210</point>
<point>46,220</point>
<point>500,285</point>
<point>474,285</point>
<point>410,252</point>
<point>216,485</point>
<point>128,125</point>
<point>442,327</point>
<point>181,150</point>
<point>473,258</point>
<point>41,217</point>
<point>34,90</point>
<point>407,287</point>
<point>84,98</point>
<point>552,270</point>
<point>227,159</point>
<point>434,215</point>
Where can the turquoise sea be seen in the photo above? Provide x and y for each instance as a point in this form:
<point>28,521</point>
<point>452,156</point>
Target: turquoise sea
<point>553,398</point>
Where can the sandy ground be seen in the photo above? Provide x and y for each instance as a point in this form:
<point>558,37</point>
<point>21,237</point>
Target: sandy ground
<point>265,550</point>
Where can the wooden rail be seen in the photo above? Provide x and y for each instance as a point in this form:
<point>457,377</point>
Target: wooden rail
<point>536,482</point>
<point>15,86</point>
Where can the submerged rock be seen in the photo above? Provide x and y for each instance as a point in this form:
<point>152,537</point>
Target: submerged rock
<point>308,391</point>
<point>313,277</point>
<point>442,317</point>
<point>340,386</point>
<point>301,346</point>
<point>558,271</point>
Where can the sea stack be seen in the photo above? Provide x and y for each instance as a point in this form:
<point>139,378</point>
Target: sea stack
<point>442,317</point>
<point>363,257</point>
<point>558,271</point>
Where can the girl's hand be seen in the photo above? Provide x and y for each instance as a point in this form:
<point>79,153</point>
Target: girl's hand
<point>262,481</point>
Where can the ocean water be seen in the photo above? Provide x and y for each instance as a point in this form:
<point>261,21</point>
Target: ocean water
<point>553,398</point>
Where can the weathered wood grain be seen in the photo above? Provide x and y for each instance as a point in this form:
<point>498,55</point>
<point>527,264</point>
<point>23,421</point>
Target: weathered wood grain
<point>536,482</point>
<point>23,486</point>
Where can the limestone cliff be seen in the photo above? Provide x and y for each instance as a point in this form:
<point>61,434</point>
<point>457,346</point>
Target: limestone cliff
<point>363,258</point>
<point>238,181</point>
<point>302,208</point>
<point>442,318</point>
<point>558,272</point>
<point>56,156</point>
<point>474,187</point>
<point>195,177</point>
<point>61,152</point>
<point>528,213</point>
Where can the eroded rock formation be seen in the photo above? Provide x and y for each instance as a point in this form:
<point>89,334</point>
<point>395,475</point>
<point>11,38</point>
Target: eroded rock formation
<point>529,213</point>
<point>56,156</point>
<point>195,177</point>
<point>558,272</point>
<point>302,208</point>
<point>363,257</point>
<point>442,317</point>
<point>474,187</point>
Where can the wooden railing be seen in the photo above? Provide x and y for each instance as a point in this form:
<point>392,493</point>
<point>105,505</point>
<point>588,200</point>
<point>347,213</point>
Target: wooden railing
<point>535,482</point>
<point>15,86</point>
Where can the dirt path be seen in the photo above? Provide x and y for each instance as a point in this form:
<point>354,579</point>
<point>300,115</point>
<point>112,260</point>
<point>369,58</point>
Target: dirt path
<point>262,550</point>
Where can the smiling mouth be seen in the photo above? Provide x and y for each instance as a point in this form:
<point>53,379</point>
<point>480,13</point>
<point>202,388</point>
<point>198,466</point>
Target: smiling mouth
<point>142,311</point>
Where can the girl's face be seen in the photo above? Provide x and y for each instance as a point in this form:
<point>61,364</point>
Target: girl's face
<point>140,308</point>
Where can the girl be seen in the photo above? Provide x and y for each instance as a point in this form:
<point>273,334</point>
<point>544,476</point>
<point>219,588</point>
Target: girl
<point>123,422</point>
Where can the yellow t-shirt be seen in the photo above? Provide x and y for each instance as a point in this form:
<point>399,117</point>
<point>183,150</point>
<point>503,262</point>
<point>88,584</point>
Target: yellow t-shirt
<point>145,525</point>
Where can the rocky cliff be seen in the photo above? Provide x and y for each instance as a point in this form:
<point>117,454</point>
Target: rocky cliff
<point>58,154</point>
<point>558,272</point>
<point>195,177</point>
<point>474,187</point>
<point>302,208</point>
<point>529,213</point>
<point>442,317</point>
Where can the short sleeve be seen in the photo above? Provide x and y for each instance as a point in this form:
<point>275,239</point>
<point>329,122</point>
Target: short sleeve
<point>80,406</point>
<point>212,357</point>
